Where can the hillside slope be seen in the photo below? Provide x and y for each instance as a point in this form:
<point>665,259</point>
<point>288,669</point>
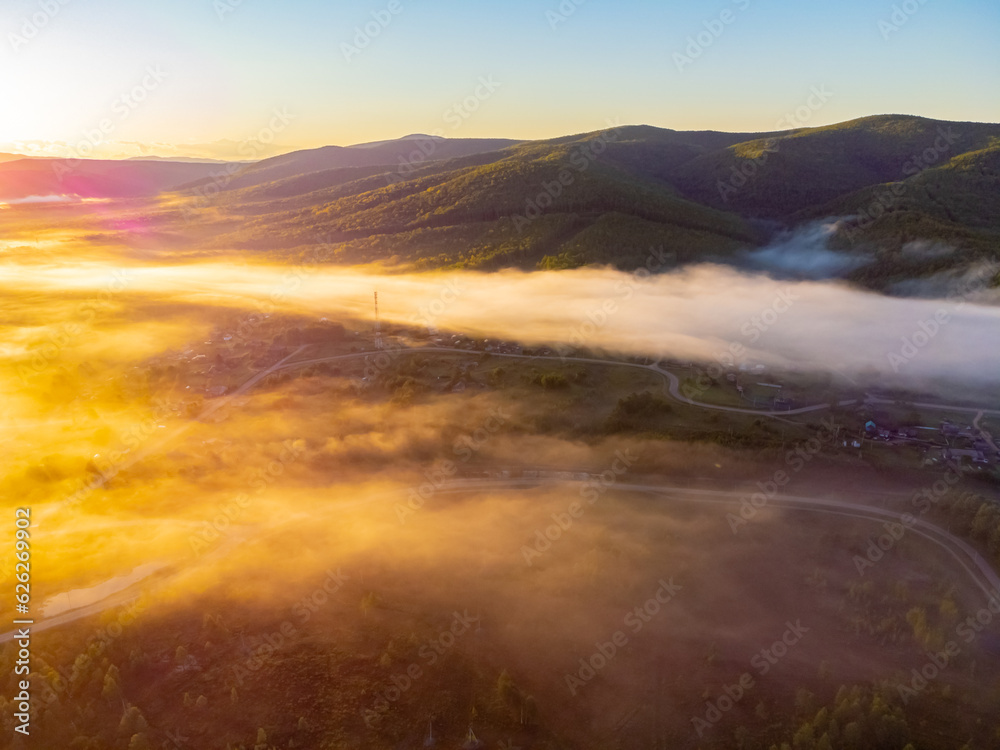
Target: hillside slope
<point>609,196</point>
<point>399,155</point>
<point>522,205</point>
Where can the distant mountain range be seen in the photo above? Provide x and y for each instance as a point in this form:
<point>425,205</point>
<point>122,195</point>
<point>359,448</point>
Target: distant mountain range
<point>602,197</point>
<point>185,159</point>
<point>12,157</point>
<point>92,178</point>
<point>400,155</point>
<point>144,176</point>
<point>610,196</point>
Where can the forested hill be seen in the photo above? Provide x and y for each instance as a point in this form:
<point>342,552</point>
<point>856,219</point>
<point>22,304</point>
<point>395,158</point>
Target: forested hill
<point>608,196</point>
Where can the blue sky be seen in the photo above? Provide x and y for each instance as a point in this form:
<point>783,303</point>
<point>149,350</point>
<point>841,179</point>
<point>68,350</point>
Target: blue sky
<point>227,66</point>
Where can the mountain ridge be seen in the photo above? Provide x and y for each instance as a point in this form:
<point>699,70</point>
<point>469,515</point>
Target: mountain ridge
<point>601,197</point>
<point>701,195</point>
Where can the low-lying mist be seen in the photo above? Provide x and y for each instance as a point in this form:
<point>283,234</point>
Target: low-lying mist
<point>703,312</point>
<point>364,515</point>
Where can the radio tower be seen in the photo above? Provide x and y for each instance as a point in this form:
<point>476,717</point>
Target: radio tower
<point>378,326</point>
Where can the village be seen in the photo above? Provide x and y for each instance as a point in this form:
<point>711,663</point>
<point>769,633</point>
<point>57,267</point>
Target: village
<point>216,368</point>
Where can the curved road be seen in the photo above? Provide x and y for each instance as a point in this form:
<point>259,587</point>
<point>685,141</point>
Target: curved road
<point>978,569</point>
<point>938,407</point>
<point>957,547</point>
<point>672,386</point>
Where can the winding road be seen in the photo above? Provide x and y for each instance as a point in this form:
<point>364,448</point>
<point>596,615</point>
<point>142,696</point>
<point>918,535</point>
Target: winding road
<point>672,387</point>
<point>980,571</point>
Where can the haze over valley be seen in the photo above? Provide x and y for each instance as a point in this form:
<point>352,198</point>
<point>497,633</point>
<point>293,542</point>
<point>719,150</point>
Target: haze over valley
<point>610,408</point>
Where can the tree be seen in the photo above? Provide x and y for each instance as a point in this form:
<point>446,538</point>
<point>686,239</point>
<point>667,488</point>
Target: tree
<point>852,734</point>
<point>530,710</point>
<point>983,523</point>
<point>822,718</point>
<point>805,738</point>
<point>368,601</point>
<point>505,687</point>
<point>111,687</point>
<point>552,381</point>
<point>804,701</point>
<point>132,722</point>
